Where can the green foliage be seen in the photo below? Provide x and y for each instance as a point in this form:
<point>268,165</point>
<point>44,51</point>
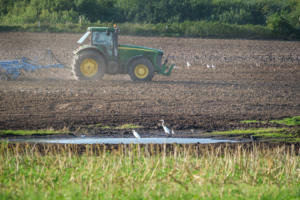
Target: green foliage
<point>151,11</point>
<point>187,28</point>
<point>215,18</point>
<point>281,24</point>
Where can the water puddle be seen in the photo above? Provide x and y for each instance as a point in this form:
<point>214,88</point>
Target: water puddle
<point>124,140</point>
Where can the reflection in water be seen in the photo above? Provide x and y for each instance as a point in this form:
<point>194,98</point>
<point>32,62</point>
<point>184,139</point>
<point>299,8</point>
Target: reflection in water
<point>125,140</point>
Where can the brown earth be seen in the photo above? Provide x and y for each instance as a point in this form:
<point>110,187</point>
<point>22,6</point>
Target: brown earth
<point>253,79</point>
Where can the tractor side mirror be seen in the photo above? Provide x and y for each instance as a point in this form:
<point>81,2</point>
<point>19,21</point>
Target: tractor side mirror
<point>166,61</point>
<point>107,33</point>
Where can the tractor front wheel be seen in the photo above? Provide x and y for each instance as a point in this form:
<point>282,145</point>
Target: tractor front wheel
<point>141,70</point>
<point>88,65</point>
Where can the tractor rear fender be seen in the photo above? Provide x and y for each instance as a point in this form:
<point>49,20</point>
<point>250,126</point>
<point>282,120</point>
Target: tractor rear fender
<point>95,49</point>
<point>127,65</point>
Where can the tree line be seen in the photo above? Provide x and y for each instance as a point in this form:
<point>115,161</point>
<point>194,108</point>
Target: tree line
<point>278,14</point>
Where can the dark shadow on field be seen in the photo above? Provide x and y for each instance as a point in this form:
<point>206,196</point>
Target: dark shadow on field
<point>10,28</point>
<point>45,79</point>
<point>133,82</point>
<point>192,83</point>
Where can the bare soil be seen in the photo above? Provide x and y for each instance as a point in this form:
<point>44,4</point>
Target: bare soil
<point>253,80</point>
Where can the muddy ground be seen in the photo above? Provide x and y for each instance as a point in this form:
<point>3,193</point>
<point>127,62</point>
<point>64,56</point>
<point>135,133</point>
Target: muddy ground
<point>253,79</point>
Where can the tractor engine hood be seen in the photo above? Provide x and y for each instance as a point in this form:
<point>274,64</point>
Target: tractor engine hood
<point>136,48</point>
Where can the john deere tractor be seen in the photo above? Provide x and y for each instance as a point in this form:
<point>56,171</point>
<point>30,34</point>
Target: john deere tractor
<point>105,56</point>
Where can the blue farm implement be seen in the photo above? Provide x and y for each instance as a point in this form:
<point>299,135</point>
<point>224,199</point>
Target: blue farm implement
<point>11,69</point>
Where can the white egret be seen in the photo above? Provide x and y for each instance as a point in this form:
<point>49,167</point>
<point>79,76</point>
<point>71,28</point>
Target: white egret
<point>207,66</point>
<point>188,64</point>
<point>136,134</point>
<point>173,132</point>
<point>213,66</point>
<point>167,131</point>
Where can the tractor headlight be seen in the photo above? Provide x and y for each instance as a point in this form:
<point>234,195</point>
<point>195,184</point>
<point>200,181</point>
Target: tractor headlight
<point>159,59</point>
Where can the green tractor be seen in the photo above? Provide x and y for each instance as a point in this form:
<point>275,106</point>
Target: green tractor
<point>105,56</point>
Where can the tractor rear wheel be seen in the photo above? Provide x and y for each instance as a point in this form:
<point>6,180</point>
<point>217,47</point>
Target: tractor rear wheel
<point>88,65</point>
<point>141,70</point>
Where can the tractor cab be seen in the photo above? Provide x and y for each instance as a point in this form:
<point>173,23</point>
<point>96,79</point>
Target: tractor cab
<point>103,55</point>
<point>103,38</point>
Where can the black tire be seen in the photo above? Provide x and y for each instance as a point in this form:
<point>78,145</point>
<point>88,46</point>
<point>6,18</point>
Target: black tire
<point>141,77</point>
<point>97,74</point>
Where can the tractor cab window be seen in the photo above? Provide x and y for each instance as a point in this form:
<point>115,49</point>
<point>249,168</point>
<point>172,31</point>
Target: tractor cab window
<point>104,41</point>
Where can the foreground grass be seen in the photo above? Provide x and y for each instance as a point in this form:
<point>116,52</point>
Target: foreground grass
<point>203,29</point>
<point>135,172</point>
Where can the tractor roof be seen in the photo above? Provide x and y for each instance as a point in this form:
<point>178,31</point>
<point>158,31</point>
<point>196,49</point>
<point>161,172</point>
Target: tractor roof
<point>100,29</point>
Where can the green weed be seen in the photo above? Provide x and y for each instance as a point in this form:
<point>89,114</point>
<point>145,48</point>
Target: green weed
<point>30,132</point>
<point>128,126</point>
<point>292,121</point>
<point>250,131</point>
<point>105,127</point>
<point>252,121</point>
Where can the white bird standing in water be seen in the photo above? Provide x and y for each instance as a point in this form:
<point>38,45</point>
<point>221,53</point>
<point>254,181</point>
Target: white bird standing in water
<point>136,134</point>
<point>167,131</point>
<point>188,64</point>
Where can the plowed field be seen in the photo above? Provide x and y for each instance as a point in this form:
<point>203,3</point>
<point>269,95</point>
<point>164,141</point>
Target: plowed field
<point>253,79</point>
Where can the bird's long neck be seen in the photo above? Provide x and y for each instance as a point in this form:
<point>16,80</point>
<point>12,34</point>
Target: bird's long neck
<point>163,123</point>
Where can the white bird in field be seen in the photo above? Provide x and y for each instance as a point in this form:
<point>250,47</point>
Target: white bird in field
<point>173,132</point>
<point>188,64</point>
<point>213,66</point>
<point>176,67</point>
<point>136,134</point>
<point>167,131</point>
<point>207,66</point>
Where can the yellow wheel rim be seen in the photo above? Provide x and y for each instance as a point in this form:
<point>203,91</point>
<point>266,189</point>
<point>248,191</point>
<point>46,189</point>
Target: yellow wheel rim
<point>89,67</point>
<point>141,71</point>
